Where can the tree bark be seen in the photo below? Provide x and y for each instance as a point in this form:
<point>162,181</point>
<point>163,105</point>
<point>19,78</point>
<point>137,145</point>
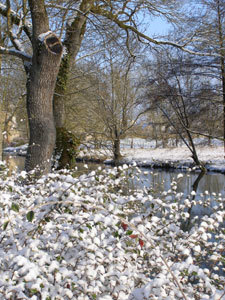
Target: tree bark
<point>116,147</point>
<point>72,43</point>
<point>40,90</point>
<point>59,101</point>
<point>47,51</point>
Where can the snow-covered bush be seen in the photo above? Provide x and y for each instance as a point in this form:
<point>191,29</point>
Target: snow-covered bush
<point>92,237</point>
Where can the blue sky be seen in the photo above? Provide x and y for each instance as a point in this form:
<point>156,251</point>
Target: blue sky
<point>157,26</point>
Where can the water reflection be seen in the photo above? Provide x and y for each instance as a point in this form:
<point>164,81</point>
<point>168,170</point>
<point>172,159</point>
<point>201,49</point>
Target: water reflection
<point>157,180</point>
<point>160,180</point>
<point>14,162</point>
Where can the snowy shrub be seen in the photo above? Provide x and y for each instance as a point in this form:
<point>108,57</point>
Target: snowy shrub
<point>93,237</point>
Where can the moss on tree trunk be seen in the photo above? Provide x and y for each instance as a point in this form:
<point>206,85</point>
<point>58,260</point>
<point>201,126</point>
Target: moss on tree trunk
<point>66,148</point>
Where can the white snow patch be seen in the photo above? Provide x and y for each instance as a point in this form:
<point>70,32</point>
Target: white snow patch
<point>43,35</point>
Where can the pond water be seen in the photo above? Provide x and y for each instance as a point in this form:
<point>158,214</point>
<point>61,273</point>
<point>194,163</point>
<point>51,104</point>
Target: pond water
<point>209,184</point>
<point>156,179</point>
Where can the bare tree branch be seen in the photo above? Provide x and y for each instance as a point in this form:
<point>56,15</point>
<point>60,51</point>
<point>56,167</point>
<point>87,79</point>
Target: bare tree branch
<point>89,54</point>
<point>206,135</point>
<point>13,38</point>
<point>110,16</point>
<point>24,56</point>
<point>16,19</point>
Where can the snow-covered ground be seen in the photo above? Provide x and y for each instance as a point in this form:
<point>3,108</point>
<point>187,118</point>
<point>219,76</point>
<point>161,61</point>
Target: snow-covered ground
<point>179,157</point>
<point>145,155</point>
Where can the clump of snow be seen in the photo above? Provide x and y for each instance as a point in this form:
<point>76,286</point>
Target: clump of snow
<point>43,35</point>
<point>93,237</point>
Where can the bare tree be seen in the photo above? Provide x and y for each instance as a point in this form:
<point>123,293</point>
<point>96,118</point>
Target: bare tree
<point>176,88</point>
<point>96,13</point>
<point>109,98</point>
<point>116,105</point>
<point>204,27</point>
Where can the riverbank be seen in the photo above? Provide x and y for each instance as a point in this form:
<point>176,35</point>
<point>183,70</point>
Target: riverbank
<point>167,158</point>
<point>175,158</point>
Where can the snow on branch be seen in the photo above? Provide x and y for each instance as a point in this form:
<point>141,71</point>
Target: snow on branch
<point>14,39</point>
<point>24,56</point>
<point>16,19</point>
<point>43,36</point>
<point>17,43</point>
<point>84,238</point>
<point>51,41</point>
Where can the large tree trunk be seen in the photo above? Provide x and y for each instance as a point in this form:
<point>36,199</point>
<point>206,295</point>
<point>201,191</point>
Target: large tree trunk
<point>47,51</point>
<point>40,90</point>
<point>72,43</point>
<point>60,92</point>
<point>66,143</point>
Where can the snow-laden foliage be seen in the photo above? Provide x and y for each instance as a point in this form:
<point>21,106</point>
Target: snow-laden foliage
<point>91,237</point>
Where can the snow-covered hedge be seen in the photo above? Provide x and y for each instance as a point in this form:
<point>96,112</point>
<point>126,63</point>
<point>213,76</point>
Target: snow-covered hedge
<point>92,237</point>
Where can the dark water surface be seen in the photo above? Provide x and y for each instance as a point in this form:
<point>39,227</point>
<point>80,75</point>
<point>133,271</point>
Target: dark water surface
<point>156,179</point>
